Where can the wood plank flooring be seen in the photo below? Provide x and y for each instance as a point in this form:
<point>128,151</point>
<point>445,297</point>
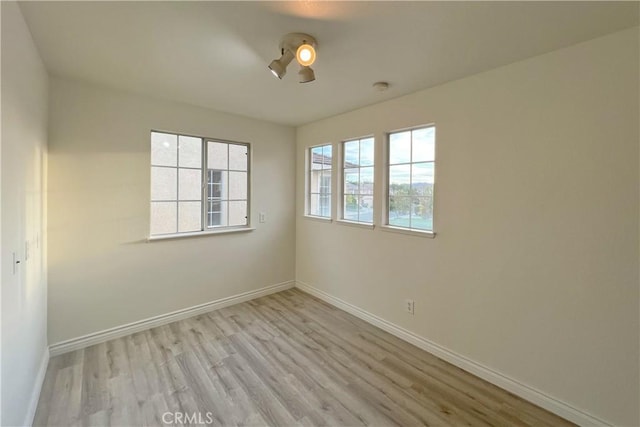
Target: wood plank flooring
<point>281,360</point>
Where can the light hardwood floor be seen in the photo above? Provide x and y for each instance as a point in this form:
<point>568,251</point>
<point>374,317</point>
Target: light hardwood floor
<point>281,360</point>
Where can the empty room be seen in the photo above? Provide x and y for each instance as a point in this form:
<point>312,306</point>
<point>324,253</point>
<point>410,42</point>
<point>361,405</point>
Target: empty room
<point>318,213</point>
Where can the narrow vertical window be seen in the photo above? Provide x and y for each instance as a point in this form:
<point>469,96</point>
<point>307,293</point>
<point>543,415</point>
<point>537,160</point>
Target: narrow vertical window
<point>357,173</point>
<point>319,181</point>
<point>411,158</point>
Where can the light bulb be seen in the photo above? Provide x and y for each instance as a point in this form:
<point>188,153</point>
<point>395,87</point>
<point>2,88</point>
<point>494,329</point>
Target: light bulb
<point>306,55</point>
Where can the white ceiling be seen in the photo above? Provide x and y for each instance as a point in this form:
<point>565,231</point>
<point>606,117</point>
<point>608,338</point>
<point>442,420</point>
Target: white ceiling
<point>215,54</point>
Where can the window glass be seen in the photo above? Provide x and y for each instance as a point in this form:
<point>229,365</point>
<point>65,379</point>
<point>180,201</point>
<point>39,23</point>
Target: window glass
<point>190,151</point>
<point>190,184</point>
<point>410,178</point>
<point>164,149</point>
<point>237,157</point>
<point>164,183</point>
<point>227,184</point>
<point>319,181</point>
<point>358,181</point>
<point>164,217</point>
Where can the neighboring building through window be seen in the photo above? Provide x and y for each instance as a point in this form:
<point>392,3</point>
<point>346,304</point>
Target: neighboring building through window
<point>411,157</point>
<point>214,197</point>
<point>319,180</point>
<point>357,172</point>
<point>197,184</point>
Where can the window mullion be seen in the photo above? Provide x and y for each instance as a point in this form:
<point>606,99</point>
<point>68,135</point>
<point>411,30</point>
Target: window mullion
<point>204,190</point>
<point>359,180</point>
<point>411,180</point>
<point>342,182</point>
<point>228,186</point>
<point>310,171</point>
<point>359,188</point>
<point>178,184</point>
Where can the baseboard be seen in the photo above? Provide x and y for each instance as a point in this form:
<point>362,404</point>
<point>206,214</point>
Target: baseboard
<point>524,391</point>
<point>37,388</point>
<point>163,319</point>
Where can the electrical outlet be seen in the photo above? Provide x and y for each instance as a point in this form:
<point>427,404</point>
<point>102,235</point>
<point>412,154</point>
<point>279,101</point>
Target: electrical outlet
<point>262,217</point>
<point>409,306</point>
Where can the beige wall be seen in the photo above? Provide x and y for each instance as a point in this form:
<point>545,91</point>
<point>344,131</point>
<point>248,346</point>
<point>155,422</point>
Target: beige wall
<point>102,272</point>
<point>24,147</point>
<point>534,269</point>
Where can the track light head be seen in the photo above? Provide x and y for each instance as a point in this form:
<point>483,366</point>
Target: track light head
<point>306,75</point>
<point>279,66</point>
<point>277,69</point>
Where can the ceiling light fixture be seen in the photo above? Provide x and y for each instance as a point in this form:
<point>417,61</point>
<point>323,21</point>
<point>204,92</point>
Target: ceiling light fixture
<point>300,46</point>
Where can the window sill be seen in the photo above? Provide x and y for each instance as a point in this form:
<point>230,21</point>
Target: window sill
<point>355,224</point>
<point>318,218</point>
<point>408,231</point>
<point>198,234</point>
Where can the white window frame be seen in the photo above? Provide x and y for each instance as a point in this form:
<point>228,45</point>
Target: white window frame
<point>204,228</point>
<point>308,179</point>
<point>387,165</point>
<point>342,182</point>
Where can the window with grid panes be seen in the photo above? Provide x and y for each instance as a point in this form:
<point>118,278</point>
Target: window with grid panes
<point>357,182</point>
<point>410,178</point>
<point>197,184</point>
